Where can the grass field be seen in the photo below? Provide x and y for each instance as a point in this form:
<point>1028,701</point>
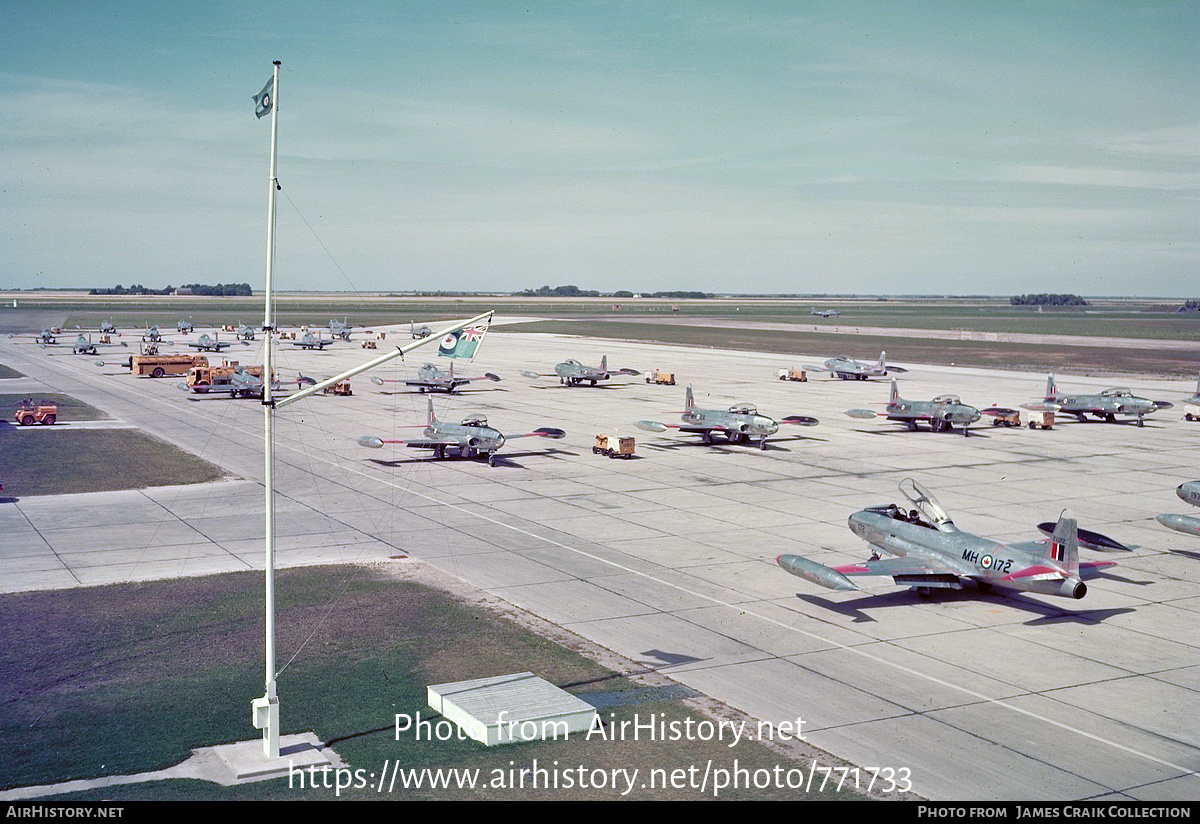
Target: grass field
<point>1105,318</point>
<point>1033,357</point>
<point>125,679</point>
<point>59,460</point>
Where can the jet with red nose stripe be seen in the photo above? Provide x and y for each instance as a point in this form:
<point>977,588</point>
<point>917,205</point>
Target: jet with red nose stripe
<point>930,552</point>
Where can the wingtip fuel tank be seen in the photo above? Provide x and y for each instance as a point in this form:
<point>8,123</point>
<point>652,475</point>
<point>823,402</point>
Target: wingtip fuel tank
<point>1180,523</point>
<point>816,573</point>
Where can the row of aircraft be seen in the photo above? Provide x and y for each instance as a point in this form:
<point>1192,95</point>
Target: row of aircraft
<point>945,412</point>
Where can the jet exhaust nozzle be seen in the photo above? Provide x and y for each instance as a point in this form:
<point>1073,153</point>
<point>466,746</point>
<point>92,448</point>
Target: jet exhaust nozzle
<point>1073,588</point>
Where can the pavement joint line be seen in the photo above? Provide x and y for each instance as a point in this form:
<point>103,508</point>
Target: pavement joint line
<point>49,546</point>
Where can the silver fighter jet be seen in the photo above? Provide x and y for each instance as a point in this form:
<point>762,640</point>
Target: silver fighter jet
<point>571,372</point>
<point>932,553</point>
<point>471,438</point>
<point>1104,405</point>
<point>943,413</point>
<point>739,423</point>
<point>850,369</point>
<point>430,378</point>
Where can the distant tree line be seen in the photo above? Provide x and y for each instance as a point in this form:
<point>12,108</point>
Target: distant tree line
<point>557,292</point>
<point>136,289</point>
<point>1046,299</point>
<point>227,289</point>
<point>242,290</point>
<point>576,292</point>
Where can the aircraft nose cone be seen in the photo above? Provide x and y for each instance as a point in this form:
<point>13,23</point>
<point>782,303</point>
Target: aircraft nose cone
<point>1189,492</point>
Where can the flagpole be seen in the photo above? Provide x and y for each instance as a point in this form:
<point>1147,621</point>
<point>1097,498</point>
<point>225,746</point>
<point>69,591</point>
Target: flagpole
<point>265,710</point>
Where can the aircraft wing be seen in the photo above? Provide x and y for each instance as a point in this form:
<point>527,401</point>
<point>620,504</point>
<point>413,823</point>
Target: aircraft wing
<point>907,571</point>
<point>540,432</point>
<point>909,568</point>
<point>800,420</point>
<point>716,427</point>
<point>658,426</point>
<point>430,443</point>
<point>453,383</point>
<point>416,443</point>
<point>1089,569</point>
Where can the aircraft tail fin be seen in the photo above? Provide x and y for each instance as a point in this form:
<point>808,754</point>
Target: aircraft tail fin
<point>689,402</point>
<point>433,421</point>
<point>1051,387</point>
<point>1063,547</point>
<point>882,361</point>
<point>604,363</point>
<point>895,396</point>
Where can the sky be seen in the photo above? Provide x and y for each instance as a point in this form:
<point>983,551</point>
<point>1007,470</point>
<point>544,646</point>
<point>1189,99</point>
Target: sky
<point>957,147</point>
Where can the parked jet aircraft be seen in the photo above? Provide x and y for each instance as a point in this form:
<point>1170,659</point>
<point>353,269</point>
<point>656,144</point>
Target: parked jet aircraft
<point>739,423</point>
<point>432,379</point>
<point>1189,492</point>
<point>311,341</point>
<point>85,346</point>
<point>207,343</point>
<point>245,384</point>
<point>825,313</point>
<point>245,332</point>
<point>1105,405</point>
<point>154,337</point>
<point>422,332</point>
<point>571,372</point>
<point>942,413</point>
<point>184,327</point>
<point>1191,406</point>
<point>848,368</point>
<point>470,438</point>
<point>340,328</point>
<point>932,553</point>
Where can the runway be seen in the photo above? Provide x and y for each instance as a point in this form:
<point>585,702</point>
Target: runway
<point>668,558</point>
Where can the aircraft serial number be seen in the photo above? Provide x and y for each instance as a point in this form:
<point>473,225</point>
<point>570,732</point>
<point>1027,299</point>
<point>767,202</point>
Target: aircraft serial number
<point>1001,565</point>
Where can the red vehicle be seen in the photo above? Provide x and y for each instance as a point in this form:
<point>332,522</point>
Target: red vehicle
<point>29,413</point>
